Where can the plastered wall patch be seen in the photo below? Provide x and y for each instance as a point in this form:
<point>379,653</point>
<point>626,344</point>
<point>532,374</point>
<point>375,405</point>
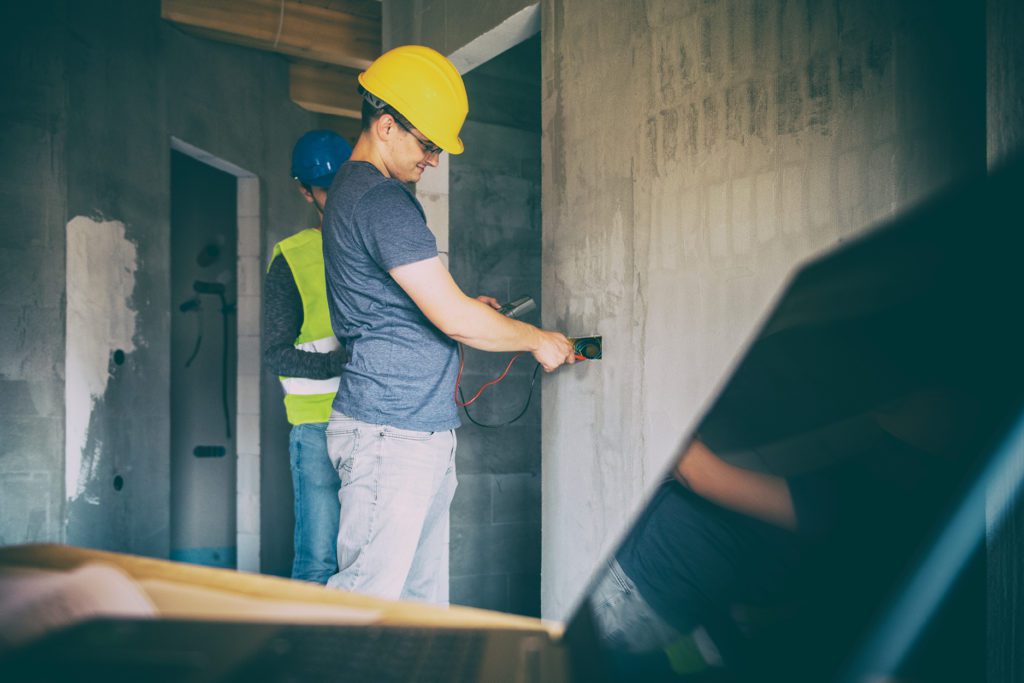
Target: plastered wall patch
<point>101,265</point>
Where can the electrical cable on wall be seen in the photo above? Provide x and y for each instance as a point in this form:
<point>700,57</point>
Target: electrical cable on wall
<point>460,399</point>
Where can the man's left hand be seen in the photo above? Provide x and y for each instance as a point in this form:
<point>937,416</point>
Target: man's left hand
<point>490,301</point>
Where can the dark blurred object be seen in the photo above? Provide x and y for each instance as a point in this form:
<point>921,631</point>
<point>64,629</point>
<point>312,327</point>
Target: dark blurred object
<point>208,255</point>
<point>868,410</point>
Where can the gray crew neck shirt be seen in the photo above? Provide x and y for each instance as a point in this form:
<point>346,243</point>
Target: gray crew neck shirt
<point>402,368</point>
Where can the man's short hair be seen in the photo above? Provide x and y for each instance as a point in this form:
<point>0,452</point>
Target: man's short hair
<point>374,108</point>
<point>370,114</point>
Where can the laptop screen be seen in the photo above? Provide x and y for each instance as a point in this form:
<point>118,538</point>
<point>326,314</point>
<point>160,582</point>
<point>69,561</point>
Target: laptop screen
<point>887,375</point>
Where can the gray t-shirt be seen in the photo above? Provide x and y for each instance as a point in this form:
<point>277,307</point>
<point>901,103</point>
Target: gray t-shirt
<point>402,368</point>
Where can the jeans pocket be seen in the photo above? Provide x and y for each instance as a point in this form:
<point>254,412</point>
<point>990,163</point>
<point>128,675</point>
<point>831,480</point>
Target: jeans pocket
<point>617,575</point>
<point>341,449</point>
<point>407,434</point>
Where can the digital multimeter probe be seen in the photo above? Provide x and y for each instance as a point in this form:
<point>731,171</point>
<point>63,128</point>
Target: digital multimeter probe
<point>584,348</point>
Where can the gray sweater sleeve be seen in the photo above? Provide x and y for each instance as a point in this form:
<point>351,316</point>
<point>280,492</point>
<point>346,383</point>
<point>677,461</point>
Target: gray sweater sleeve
<point>282,320</point>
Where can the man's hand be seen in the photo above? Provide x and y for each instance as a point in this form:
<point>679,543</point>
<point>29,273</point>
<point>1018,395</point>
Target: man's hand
<point>490,301</point>
<point>553,349</point>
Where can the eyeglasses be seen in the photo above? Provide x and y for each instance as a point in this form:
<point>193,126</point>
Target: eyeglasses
<point>428,147</point>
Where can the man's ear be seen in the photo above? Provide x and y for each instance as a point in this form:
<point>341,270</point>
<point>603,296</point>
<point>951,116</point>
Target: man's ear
<point>383,125</point>
<point>306,194</point>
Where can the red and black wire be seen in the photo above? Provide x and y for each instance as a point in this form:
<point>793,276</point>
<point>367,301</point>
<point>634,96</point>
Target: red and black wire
<point>461,401</point>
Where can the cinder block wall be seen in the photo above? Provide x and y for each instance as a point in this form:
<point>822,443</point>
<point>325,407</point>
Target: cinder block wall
<point>495,250</point>
<point>693,152</point>
<point>92,93</point>
<point>495,240</point>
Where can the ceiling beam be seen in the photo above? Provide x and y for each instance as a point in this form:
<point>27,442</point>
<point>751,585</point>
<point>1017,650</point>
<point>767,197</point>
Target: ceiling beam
<point>298,29</point>
<point>325,89</point>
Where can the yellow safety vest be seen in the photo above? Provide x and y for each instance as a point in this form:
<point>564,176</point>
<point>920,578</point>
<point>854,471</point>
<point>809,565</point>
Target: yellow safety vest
<point>309,400</point>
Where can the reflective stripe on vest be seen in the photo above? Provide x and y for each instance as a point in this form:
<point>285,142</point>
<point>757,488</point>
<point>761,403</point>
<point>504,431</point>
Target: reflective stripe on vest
<point>325,345</point>
<point>301,386</point>
<point>309,400</point>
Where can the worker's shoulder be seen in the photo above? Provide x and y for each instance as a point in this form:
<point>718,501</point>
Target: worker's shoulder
<point>359,181</point>
<point>363,197</point>
<point>385,191</point>
<point>355,178</point>
<point>386,201</point>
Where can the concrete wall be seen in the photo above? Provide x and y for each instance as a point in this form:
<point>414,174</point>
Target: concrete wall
<point>495,238</point>
<point>693,153</point>
<point>92,95</point>
<point>34,200</point>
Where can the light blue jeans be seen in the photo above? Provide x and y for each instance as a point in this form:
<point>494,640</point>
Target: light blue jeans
<point>627,625</point>
<point>396,488</point>
<point>623,618</point>
<point>316,503</point>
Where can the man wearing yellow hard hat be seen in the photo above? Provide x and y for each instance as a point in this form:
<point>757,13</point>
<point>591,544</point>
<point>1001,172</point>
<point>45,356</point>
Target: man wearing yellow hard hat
<point>391,434</point>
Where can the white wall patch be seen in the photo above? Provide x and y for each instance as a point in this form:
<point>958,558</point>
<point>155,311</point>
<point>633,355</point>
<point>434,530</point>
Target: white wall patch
<point>101,264</point>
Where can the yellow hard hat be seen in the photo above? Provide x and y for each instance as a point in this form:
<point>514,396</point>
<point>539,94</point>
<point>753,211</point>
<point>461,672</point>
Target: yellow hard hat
<point>424,87</point>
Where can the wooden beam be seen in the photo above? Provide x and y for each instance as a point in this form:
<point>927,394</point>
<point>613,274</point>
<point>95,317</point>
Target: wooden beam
<point>289,27</point>
<point>360,8</point>
<point>325,90</point>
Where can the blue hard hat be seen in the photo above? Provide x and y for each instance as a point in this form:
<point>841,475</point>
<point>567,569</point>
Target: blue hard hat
<point>317,156</point>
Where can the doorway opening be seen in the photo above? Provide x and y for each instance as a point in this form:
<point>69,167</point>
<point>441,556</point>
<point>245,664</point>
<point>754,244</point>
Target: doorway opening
<point>214,361</point>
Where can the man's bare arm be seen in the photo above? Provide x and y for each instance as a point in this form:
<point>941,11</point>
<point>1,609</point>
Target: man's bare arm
<point>475,323</point>
<point>756,494</point>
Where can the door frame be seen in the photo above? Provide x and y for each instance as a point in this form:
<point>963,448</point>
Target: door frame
<point>247,371</point>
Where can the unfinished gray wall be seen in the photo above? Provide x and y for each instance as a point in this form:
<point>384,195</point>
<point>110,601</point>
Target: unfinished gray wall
<point>34,201</point>
<point>693,153</point>
<point>92,94</point>
<point>495,240</point>
<point>117,168</point>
